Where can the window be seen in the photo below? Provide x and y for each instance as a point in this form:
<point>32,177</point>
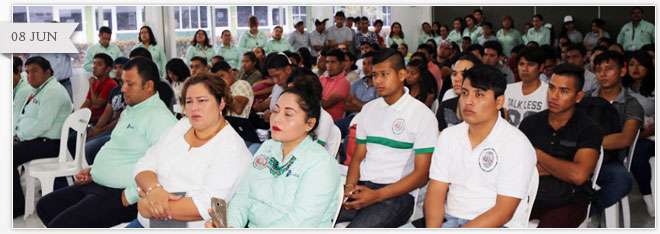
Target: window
<point>276,16</point>
<point>40,14</point>
<point>299,14</point>
<point>244,12</point>
<point>107,17</point>
<point>126,18</point>
<point>386,14</point>
<point>71,16</point>
<point>221,17</point>
<point>191,17</point>
<point>20,14</point>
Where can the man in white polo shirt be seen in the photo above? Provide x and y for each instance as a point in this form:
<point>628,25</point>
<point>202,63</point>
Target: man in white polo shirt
<point>395,137</point>
<point>481,168</point>
<point>529,96</point>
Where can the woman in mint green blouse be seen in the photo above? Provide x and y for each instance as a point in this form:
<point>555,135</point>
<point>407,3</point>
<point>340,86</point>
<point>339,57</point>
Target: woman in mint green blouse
<point>456,35</point>
<point>200,46</point>
<point>292,182</point>
<point>148,41</point>
<point>508,36</point>
<point>396,35</point>
<point>472,30</point>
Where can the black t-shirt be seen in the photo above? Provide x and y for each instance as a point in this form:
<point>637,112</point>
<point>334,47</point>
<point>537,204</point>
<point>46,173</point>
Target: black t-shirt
<point>116,100</point>
<point>446,114</point>
<point>579,132</point>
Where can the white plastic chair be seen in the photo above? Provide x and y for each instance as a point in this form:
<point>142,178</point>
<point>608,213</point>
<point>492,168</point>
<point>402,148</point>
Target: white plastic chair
<point>625,204</point>
<point>335,142</point>
<point>46,170</point>
<point>435,105</point>
<point>531,197</point>
<point>594,178</point>
<point>341,199</point>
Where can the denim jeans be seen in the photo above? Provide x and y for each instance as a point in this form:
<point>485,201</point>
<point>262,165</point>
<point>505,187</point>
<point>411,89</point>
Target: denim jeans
<point>67,85</point>
<point>640,168</point>
<point>453,222</point>
<point>615,182</point>
<point>389,213</point>
<point>134,224</point>
<point>94,144</point>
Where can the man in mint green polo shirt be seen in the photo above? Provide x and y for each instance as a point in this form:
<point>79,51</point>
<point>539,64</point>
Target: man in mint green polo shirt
<point>538,33</point>
<point>277,43</point>
<point>636,33</point>
<point>39,121</point>
<point>103,46</point>
<point>105,194</point>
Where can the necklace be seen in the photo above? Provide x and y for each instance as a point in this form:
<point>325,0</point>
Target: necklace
<point>211,136</point>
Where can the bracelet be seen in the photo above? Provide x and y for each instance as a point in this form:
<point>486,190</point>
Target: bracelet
<point>152,188</point>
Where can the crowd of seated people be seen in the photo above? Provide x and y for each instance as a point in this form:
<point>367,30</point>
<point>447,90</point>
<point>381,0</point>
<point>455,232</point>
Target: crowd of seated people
<point>466,118</point>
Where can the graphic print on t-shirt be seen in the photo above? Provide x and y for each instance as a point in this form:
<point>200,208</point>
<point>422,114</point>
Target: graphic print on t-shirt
<point>521,106</point>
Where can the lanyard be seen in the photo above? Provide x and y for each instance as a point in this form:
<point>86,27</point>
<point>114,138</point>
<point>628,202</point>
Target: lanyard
<point>33,95</point>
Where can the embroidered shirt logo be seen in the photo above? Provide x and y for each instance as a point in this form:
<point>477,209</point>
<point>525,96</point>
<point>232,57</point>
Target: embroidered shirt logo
<point>398,126</point>
<point>260,162</point>
<point>488,160</point>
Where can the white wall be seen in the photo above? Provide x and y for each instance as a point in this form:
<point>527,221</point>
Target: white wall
<point>411,19</point>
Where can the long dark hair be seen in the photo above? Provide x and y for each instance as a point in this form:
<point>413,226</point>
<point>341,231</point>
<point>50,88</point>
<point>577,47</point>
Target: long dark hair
<point>306,57</point>
<point>179,68</point>
<point>207,42</point>
<point>648,82</point>
<point>427,84</point>
<point>152,38</point>
<point>401,30</point>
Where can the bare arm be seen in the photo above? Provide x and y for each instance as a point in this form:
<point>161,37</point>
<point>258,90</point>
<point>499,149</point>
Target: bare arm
<point>332,100</point>
<point>576,172</point>
<point>647,132</point>
<point>162,204</point>
<point>239,104</point>
<point>624,138</point>
<point>263,105</point>
<point>434,203</point>
<point>264,91</point>
<point>497,216</point>
<point>352,104</point>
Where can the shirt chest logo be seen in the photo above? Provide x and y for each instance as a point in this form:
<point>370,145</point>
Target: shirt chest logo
<point>488,159</point>
<point>398,126</point>
<point>260,162</point>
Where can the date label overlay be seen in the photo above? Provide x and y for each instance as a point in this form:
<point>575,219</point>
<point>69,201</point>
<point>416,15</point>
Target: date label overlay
<point>37,37</point>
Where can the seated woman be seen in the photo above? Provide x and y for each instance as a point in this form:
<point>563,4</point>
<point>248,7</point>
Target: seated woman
<point>202,155</point>
<point>352,73</point>
<point>293,181</point>
<point>420,82</point>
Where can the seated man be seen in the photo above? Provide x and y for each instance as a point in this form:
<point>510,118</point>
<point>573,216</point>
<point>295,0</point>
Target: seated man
<point>529,96</point>
<point>105,194</point>
<point>567,143</point>
<point>241,91</point>
<point>447,113</point>
<point>481,168</point>
<point>614,180</point>
<point>100,133</point>
<point>361,92</point>
<point>493,57</point>
<point>395,136</point>
<point>576,54</point>
<point>39,121</point>
<point>100,86</point>
<point>335,85</point>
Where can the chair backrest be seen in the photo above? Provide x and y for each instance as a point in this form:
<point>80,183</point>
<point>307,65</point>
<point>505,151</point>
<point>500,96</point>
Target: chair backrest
<point>336,142</point>
<point>77,121</point>
<point>435,105</point>
<point>341,200</point>
<point>594,178</point>
<point>631,151</point>
<point>531,194</point>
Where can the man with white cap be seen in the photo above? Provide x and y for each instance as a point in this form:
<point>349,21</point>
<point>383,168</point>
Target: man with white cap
<point>318,39</point>
<point>299,38</point>
<point>569,30</point>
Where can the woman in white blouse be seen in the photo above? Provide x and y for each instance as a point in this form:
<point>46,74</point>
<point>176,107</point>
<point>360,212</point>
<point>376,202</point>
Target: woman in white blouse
<point>201,155</point>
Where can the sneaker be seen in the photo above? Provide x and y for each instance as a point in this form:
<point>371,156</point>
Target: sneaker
<point>650,207</point>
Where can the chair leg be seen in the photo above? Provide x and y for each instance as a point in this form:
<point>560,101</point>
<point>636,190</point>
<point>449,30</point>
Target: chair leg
<point>46,185</point>
<point>625,210</point>
<point>612,216</point>
<point>29,195</point>
<point>69,180</point>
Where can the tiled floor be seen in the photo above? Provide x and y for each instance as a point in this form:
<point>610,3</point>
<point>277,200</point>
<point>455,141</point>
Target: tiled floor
<point>639,217</point>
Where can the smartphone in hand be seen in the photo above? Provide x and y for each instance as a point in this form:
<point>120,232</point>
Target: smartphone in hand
<point>219,215</point>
